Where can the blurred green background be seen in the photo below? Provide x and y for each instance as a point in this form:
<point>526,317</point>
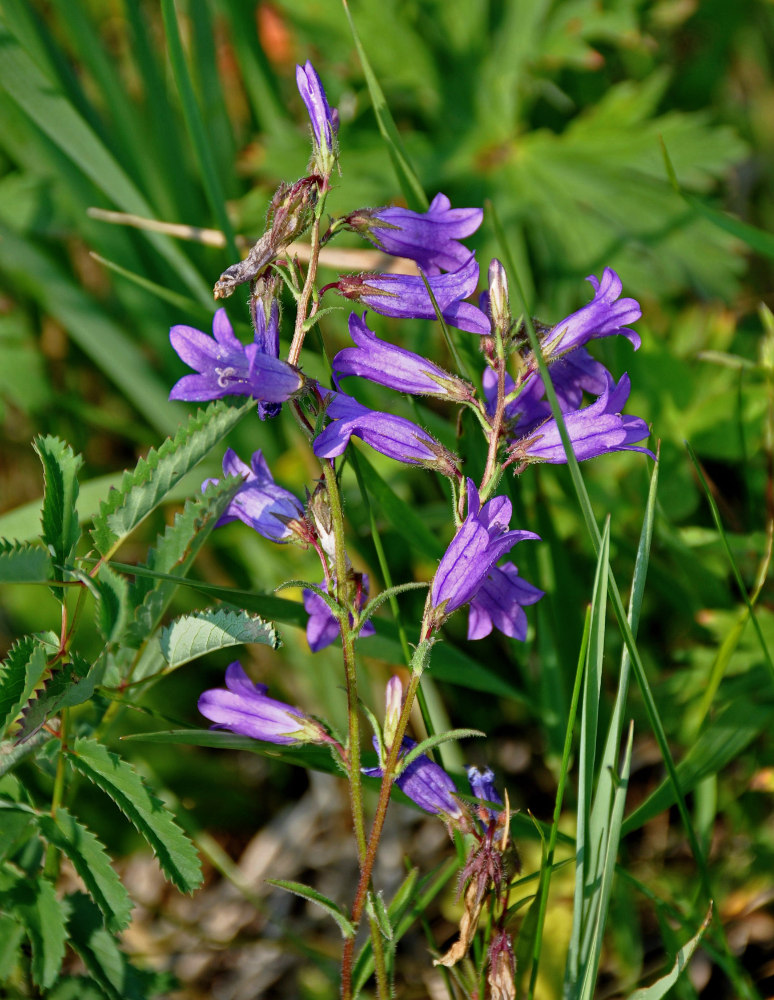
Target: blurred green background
<point>554,113</point>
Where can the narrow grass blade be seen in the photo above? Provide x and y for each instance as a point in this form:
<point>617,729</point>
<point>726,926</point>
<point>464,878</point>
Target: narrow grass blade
<point>660,988</point>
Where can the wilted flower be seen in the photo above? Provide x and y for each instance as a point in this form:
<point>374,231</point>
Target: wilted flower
<point>605,316</point>
<point>425,783</point>
<point>395,367</point>
<point>480,541</point>
<point>430,238</point>
<point>393,436</point>
<point>325,122</point>
<point>227,367</point>
<point>244,707</point>
<point>405,296</point>
<point>265,507</point>
<point>501,976</point>
<point>499,603</point>
<point>322,628</point>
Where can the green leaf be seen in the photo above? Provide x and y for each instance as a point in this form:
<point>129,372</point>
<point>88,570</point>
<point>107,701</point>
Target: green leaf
<point>113,607</point>
<point>90,860</point>
<point>72,683</point>
<point>192,636</point>
<point>377,909</point>
<point>61,530</point>
<point>118,779</point>
<point>436,740</point>
<point>306,892</point>
<point>20,671</point>
<point>11,934</point>
<point>21,562</point>
<point>36,905</point>
<point>662,986</point>
<point>143,489</point>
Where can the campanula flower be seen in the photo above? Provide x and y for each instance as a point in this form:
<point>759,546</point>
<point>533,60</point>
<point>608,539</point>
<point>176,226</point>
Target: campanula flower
<point>395,367</point>
<point>244,707</point>
<point>425,783</point>
<point>325,122</point>
<point>480,541</point>
<point>267,339</point>
<point>606,315</point>
<point>263,505</point>
<point>322,628</point>
<point>482,785</point>
<point>430,238</point>
<point>499,603</point>
<point>594,430</point>
<point>393,436</point>
<point>405,296</point>
<point>227,367</point>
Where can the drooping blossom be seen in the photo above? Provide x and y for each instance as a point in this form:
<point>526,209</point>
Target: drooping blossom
<point>264,506</point>
<point>482,785</point>
<point>501,972</point>
<point>499,603</point>
<point>594,430</point>
<point>405,296</point>
<point>606,315</point>
<point>481,540</point>
<point>325,122</point>
<point>393,436</point>
<point>395,367</point>
<point>322,628</point>
<point>430,238</point>
<point>424,782</point>
<point>227,367</point>
<point>244,707</point>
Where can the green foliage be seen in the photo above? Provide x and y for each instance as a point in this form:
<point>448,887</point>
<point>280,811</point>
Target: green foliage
<point>20,671</point>
<point>192,636</point>
<point>71,683</point>
<point>60,523</point>
<point>306,892</point>
<point>43,917</point>
<point>23,563</point>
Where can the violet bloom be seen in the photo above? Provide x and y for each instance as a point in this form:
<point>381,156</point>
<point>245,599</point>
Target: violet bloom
<point>260,503</point>
<point>482,785</point>
<point>430,238</point>
<point>325,122</point>
<point>395,367</point>
<point>227,367</point>
<point>267,339</point>
<point>393,436</point>
<point>480,541</point>
<point>322,628</point>
<point>605,316</point>
<point>425,783</point>
<point>499,603</point>
<point>405,296</point>
<point>594,430</point>
<point>244,707</point>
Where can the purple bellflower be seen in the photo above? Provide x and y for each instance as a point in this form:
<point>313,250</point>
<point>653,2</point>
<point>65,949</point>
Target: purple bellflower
<point>322,628</point>
<point>594,430</point>
<point>395,367</point>
<point>325,122</point>
<point>425,783</point>
<point>393,436</point>
<point>260,503</point>
<point>499,603</point>
<point>405,296</point>
<point>480,541</point>
<point>267,339</point>
<point>482,785</point>
<point>430,238</point>
<point>227,367</point>
<point>606,315</point>
<point>244,707</point>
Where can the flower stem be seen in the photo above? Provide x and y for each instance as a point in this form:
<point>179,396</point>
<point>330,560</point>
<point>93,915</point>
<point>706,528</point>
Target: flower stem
<point>311,276</point>
<point>51,868</point>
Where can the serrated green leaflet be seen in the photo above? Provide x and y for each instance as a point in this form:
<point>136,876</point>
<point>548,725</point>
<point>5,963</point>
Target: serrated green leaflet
<point>306,892</point>
<point>11,935</point>
<point>90,860</point>
<point>72,683</point>
<point>20,671</point>
<point>156,474</point>
<point>118,779</point>
<point>113,605</point>
<point>191,636</point>
<point>21,562</point>
<point>59,519</point>
<point>36,905</point>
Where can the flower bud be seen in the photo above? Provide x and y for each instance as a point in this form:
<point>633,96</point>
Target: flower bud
<point>499,308</point>
<point>393,704</point>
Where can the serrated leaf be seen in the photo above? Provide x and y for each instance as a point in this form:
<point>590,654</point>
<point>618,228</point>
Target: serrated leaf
<point>59,518</point>
<point>36,905</point>
<point>71,684</point>
<point>113,606</point>
<point>191,636</point>
<point>19,673</point>
<point>118,779</point>
<point>11,934</point>
<point>92,863</point>
<point>143,489</point>
<point>21,562</point>
<point>306,892</point>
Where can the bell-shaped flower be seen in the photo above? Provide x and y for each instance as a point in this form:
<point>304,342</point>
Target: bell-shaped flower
<point>606,315</point>
<point>405,296</point>
<point>393,436</point>
<point>325,122</point>
<point>594,430</point>
<point>269,509</point>
<point>425,783</point>
<point>499,603</point>
<point>395,367</point>
<point>481,540</point>
<point>244,707</point>
<point>430,238</point>
<point>322,628</point>
<point>482,785</point>
<point>267,339</point>
<point>227,367</point>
